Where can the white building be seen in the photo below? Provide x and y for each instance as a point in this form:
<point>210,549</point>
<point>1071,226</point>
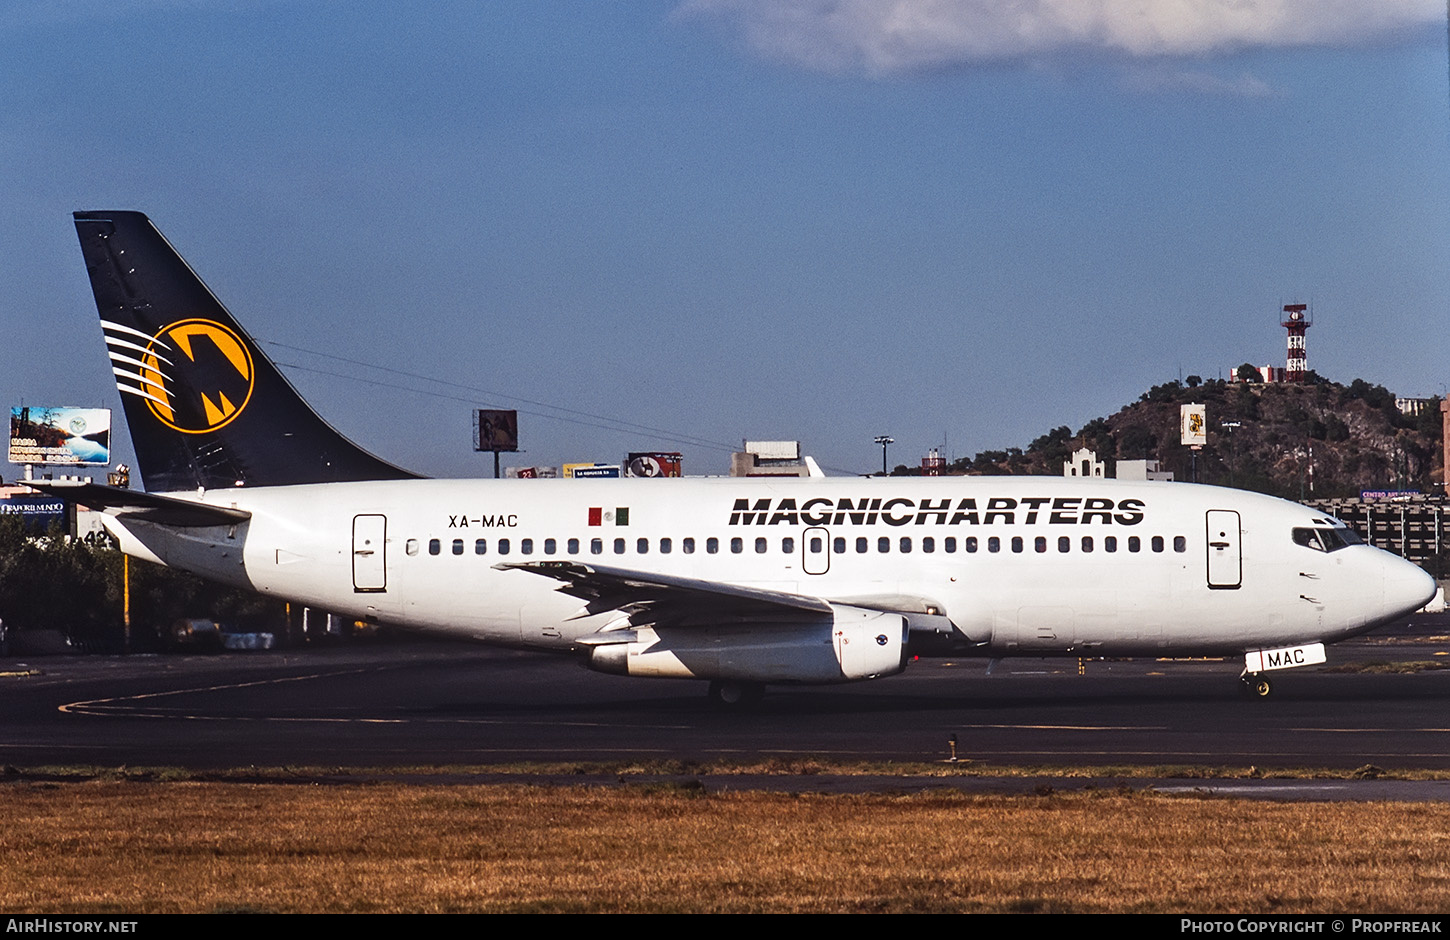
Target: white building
<point>1084,463</point>
<point>1142,470</point>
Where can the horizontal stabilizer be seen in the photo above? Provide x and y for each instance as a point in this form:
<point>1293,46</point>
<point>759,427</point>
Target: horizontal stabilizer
<point>163,510</point>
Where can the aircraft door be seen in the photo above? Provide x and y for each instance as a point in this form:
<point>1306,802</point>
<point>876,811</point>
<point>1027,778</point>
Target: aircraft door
<point>1225,549</point>
<point>369,565</point>
<point>815,551</point>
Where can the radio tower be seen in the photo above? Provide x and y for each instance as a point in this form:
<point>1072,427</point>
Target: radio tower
<point>1297,321</point>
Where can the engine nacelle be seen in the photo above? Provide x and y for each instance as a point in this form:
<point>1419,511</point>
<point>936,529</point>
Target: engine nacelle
<point>847,644</point>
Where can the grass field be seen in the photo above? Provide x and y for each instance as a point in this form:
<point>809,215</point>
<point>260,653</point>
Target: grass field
<point>128,846</point>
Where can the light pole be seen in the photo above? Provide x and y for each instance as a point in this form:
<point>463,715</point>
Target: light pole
<point>883,440</point>
<point>1228,427</point>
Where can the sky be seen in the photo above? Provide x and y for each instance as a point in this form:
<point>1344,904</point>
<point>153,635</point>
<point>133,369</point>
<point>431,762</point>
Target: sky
<point>674,225</point>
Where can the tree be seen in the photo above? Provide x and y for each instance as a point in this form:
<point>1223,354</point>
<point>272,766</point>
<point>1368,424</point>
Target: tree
<point>1248,372</point>
<point>1168,391</point>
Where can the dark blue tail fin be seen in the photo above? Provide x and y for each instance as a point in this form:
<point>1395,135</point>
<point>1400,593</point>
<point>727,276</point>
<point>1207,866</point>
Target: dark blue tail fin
<point>205,407</point>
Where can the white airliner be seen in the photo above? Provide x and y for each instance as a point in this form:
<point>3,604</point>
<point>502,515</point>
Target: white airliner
<point>739,582</point>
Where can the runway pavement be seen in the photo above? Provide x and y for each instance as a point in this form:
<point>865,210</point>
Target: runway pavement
<point>404,704</point>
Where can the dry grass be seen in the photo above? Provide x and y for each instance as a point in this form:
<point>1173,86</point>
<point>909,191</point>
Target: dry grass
<point>555,772</point>
<point>131,847</point>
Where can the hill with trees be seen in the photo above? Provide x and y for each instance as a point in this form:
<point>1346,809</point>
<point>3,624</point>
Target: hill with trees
<point>1263,437</point>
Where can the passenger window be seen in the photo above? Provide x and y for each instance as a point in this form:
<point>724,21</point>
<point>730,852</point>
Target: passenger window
<point>928,544</point>
<point>1040,543</point>
<point>480,547</point>
<point>712,545</point>
<point>994,544</point>
<point>760,546</point>
<point>787,545</point>
<point>550,546</point>
<point>861,546</point>
<point>970,544</point>
<point>503,546</point>
<point>411,547</point>
<point>1157,543</point>
<point>838,544</point>
<point>949,545</point>
<point>905,544</point>
<point>434,546</point>
<point>1180,544</point>
<point>458,546</point>
<point>1110,543</point>
<point>1064,544</point>
<point>688,545</point>
<point>666,546</point>
<point>596,546</point>
<point>1134,544</point>
<point>526,546</point>
<point>619,546</point>
<point>573,546</point>
<point>816,544</point>
<point>642,546</point>
<point>1017,543</point>
<point>883,544</point>
<point>737,545</point>
<point>1087,543</point>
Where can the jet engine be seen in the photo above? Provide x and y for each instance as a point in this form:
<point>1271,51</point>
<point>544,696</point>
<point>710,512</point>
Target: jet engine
<point>847,644</point>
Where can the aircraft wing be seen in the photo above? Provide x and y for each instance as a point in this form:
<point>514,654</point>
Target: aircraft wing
<point>649,597</point>
<point>165,510</point>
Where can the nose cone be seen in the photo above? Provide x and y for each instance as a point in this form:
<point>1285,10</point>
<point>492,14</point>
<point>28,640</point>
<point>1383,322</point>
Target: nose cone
<point>1407,588</point>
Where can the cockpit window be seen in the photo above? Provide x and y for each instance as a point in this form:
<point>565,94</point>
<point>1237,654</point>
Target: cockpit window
<point>1309,538</point>
<point>1326,540</point>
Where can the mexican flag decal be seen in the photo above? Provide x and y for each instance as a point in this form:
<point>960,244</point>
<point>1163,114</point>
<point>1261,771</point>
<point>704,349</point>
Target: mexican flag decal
<point>618,516</point>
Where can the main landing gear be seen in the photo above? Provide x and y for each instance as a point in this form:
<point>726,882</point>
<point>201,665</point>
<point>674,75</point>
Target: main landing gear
<point>728,694</point>
<point>1256,685</point>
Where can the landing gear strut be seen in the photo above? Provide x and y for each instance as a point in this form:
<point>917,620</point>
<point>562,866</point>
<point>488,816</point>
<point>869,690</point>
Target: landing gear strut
<point>736,695</point>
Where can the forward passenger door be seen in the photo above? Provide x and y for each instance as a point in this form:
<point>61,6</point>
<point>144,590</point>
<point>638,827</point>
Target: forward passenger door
<point>1225,550</point>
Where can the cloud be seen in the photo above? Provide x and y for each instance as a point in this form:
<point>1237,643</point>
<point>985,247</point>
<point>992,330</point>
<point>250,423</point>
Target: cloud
<point>882,37</point>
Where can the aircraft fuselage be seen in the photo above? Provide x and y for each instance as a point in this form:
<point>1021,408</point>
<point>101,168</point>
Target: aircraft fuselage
<point>1017,565</point>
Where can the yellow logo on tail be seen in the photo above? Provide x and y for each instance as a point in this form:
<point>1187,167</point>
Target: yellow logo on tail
<point>199,376</point>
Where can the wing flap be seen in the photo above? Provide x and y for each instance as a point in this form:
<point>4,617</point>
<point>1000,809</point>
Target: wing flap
<point>647,596</point>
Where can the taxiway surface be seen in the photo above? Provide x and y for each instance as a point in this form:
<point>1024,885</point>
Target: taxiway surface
<point>400,704</point>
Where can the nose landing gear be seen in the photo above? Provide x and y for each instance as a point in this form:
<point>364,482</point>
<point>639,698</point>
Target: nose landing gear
<point>1256,685</point>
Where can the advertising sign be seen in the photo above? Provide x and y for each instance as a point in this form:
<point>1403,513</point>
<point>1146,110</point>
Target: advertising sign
<point>37,513</point>
<point>654,464</point>
<point>496,431</point>
<point>1194,425</point>
<point>588,471</point>
<point>60,437</point>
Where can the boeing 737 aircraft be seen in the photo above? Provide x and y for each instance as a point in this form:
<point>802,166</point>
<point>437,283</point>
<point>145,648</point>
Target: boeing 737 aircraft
<point>739,582</point>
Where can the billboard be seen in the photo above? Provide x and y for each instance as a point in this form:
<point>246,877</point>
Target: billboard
<point>586,471</point>
<point>1194,425</point>
<point>530,473</point>
<point>654,464</point>
<point>496,431</point>
<point>36,513</point>
<point>60,437</point>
